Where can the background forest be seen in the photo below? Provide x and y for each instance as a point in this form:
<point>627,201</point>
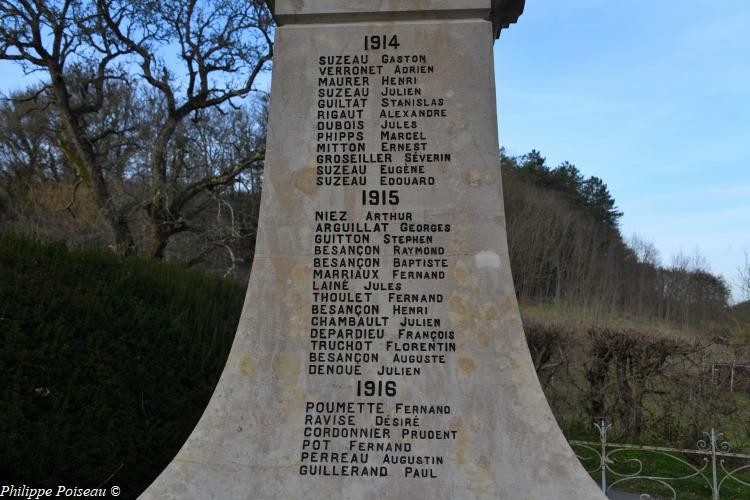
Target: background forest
<point>144,142</point>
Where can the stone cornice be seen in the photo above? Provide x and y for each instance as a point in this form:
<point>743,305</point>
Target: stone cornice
<point>505,13</point>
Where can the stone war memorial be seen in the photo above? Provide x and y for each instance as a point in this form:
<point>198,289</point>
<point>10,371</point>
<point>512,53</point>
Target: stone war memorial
<point>380,353</point>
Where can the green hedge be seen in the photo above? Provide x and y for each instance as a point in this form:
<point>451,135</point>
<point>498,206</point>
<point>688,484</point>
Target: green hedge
<point>106,363</point>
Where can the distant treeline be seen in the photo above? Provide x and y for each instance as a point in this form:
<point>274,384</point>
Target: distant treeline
<point>566,246</point>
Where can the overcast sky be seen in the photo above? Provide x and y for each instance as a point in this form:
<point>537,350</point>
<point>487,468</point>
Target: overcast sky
<point>651,96</point>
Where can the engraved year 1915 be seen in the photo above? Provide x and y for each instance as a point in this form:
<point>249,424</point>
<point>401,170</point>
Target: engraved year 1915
<point>380,197</point>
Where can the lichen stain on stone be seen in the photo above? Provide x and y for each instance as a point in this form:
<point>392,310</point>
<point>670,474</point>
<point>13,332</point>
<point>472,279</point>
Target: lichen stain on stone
<point>323,490</point>
<point>301,272</point>
<point>476,178</point>
<point>478,470</point>
<point>286,365</point>
<point>248,366</point>
<point>481,474</point>
<point>458,245</point>
<point>462,313</point>
<point>323,38</point>
<point>304,180</point>
<point>297,302</point>
<point>483,338</point>
<point>460,339</point>
<point>499,345</point>
<point>457,305</point>
<point>473,178</point>
<point>457,424</point>
<point>460,138</point>
<point>466,367</point>
<point>460,272</point>
<point>291,398</point>
<point>517,371</point>
<point>490,312</point>
<point>298,319</point>
<point>558,469</point>
<point>518,343</point>
<point>177,490</point>
<point>515,320</point>
<point>465,277</point>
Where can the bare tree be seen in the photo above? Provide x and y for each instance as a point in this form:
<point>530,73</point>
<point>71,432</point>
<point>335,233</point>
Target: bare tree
<point>224,45</point>
<point>743,278</point>
<point>63,39</point>
<point>84,48</point>
<point>40,192</point>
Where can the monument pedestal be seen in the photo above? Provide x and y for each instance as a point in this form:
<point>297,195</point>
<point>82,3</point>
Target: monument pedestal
<point>380,353</point>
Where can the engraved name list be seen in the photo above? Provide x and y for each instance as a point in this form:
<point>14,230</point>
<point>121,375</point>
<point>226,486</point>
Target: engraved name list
<point>376,324</point>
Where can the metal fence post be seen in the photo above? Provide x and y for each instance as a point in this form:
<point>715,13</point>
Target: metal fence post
<point>714,485</point>
<point>603,427</point>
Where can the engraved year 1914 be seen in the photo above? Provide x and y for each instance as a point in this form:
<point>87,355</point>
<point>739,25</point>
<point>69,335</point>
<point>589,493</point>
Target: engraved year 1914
<point>380,42</point>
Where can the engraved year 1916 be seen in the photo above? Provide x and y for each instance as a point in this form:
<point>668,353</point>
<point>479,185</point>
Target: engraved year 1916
<point>376,388</point>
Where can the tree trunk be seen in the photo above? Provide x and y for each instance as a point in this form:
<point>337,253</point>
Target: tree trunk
<point>597,374</point>
<point>159,207</point>
<point>80,154</point>
<point>124,244</point>
<point>158,239</point>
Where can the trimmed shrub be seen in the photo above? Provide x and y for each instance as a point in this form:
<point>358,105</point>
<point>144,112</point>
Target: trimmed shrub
<point>106,363</point>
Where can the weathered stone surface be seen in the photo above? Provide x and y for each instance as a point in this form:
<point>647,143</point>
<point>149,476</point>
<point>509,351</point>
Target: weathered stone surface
<point>478,424</point>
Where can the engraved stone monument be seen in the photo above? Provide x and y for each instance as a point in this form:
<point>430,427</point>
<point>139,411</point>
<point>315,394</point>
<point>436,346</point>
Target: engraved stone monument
<point>380,354</point>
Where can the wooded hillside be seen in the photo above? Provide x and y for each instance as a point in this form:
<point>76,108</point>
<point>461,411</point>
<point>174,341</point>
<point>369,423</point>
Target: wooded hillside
<point>566,247</point>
